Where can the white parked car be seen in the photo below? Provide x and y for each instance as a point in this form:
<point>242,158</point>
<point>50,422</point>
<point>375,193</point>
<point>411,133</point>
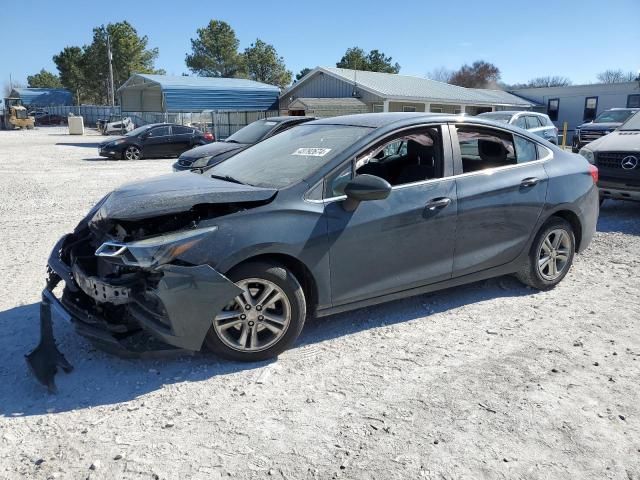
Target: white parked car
<point>117,127</point>
<point>537,123</point>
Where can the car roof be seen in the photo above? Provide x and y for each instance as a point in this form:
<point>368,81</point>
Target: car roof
<point>399,119</point>
<point>375,120</point>
<point>515,112</point>
<point>286,119</point>
<point>393,120</point>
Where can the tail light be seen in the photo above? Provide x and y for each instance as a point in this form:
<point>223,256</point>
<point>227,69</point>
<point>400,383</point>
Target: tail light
<point>593,171</point>
<point>209,136</point>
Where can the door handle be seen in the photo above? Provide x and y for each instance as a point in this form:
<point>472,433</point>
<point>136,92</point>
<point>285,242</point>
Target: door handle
<point>438,203</point>
<point>529,182</point>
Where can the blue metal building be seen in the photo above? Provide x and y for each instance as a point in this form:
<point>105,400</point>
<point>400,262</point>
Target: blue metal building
<point>42,97</point>
<point>164,93</point>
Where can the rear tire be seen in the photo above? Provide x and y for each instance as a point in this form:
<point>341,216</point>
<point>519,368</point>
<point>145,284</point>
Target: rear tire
<point>551,255</point>
<point>264,320</point>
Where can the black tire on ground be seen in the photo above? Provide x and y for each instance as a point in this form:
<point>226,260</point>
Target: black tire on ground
<point>530,274</point>
<point>133,149</point>
<point>290,286</point>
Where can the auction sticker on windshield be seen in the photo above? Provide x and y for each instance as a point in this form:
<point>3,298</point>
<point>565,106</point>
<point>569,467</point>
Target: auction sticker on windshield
<point>312,152</point>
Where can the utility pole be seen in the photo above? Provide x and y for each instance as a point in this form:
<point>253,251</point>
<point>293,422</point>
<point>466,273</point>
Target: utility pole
<point>110,57</point>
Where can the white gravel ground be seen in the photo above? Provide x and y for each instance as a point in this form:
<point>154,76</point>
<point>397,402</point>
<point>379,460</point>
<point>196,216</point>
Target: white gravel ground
<point>490,380</point>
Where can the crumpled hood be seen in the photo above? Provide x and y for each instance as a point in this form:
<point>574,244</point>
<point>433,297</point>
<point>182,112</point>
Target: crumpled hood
<point>211,149</point>
<point>599,126</point>
<point>175,193</point>
<point>618,141</point>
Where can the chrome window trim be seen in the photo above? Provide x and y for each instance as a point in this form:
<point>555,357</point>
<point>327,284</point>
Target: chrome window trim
<point>488,171</point>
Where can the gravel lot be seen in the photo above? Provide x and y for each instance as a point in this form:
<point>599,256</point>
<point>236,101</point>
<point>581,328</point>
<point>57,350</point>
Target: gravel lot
<point>490,380</point>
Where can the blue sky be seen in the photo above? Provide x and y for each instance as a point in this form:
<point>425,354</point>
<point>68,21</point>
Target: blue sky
<point>576,39</point>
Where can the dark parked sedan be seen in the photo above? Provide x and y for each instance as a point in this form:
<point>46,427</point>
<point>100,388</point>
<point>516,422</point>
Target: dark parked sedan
<point>50,119</point>
<point>253,133</point>
<point>332,215</point>
<point>156,140</point>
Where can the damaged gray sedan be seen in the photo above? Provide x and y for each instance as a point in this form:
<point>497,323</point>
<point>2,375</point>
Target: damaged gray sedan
<point>326,217</point>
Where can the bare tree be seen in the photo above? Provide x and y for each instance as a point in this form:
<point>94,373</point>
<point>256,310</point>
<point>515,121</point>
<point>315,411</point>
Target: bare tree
<point>549,81</point>
<point>616,76</point>
<point>440,74</point>
<point>6,89</point>
<point>480,74</point>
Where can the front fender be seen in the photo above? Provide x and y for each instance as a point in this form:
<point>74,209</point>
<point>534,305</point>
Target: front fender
<point>192,297</point>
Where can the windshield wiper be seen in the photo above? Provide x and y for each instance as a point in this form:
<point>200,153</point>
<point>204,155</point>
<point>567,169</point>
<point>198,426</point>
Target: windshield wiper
<point>227,178</point>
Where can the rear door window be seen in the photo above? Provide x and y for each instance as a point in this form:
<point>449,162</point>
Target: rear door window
<point>521,122</point>
<point>526,150</point>
<point>533,122</point>
<point>159,131</point>
<point>180,130</point>
<point>483,148</point>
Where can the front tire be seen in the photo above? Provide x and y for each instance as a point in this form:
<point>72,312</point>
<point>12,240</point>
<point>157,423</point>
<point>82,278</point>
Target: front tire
<point>132,153</point>
<point>264,320</point>
<point>551,255</point>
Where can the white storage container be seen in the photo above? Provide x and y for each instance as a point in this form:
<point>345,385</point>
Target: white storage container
<point>76,125</point>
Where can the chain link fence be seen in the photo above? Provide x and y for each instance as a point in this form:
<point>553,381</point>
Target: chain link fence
<point>90,113</point>
<point>221,124</point>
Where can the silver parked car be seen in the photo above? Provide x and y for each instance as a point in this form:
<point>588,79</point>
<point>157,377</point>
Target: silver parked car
<point>537,123</point>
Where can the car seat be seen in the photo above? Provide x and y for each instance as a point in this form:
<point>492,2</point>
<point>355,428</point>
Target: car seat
<point>420,164</point>
<point>493,154</point>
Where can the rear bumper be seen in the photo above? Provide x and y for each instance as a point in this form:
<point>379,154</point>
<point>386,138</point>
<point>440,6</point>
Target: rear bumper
<point>177,309</point>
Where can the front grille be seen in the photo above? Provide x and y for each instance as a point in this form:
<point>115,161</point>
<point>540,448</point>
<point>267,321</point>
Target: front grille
<point>591,135</point>
<point>613,160</point>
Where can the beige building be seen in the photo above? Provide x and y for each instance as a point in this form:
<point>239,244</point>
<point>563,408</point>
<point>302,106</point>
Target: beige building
<point>337,91</point>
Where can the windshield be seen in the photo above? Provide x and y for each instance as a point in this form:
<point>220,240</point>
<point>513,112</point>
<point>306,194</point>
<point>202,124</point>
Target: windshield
<point>497,117</point>
<point>289,157</point>
<point>613,116</point>
<point>252,133</point>
<point>632,124</point>
<point>137,131</point>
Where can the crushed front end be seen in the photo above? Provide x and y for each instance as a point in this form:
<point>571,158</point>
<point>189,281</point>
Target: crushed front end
<point>123,281</point>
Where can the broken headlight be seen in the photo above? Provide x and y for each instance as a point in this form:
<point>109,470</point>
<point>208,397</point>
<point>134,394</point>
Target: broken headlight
<point>154,251</point>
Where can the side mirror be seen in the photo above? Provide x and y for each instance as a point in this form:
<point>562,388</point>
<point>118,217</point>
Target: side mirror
<point>363,188</point>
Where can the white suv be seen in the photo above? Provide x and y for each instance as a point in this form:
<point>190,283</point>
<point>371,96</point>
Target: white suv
<point>535,122</point>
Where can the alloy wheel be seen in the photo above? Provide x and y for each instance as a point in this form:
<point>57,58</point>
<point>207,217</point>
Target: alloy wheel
<point>256,319</point>
<point>554,254</point>
<point>132,153</point>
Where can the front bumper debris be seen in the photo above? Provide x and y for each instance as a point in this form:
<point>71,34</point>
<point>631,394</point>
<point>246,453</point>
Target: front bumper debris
<point>171,317</point>
<point>45,359</point>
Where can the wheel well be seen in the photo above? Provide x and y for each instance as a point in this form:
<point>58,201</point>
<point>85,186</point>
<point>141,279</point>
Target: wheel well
<point>573,219</point>
<point>299,269</point>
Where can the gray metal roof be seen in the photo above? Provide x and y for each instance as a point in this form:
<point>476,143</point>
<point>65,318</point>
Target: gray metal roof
<point>328,102</point>
<point>404,87</point>
<point>43,97</point>
<point>192,94</point>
